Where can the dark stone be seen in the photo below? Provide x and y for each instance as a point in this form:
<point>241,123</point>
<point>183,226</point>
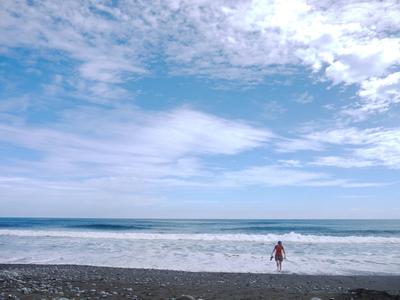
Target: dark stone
<point>372,295</point>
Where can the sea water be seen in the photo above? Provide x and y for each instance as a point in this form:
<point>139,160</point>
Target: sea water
<point>343,247</point>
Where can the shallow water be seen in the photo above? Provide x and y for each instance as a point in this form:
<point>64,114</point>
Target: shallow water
<point>313,246</point>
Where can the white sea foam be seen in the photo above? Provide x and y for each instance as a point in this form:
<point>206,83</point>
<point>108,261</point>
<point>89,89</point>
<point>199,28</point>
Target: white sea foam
<point>261,238</point>
<point>202,252</point>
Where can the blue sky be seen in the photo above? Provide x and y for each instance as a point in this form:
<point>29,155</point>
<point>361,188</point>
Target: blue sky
<point>200,109</point>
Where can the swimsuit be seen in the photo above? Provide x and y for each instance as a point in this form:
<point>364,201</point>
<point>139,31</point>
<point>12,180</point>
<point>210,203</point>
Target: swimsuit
<point>278,253</point>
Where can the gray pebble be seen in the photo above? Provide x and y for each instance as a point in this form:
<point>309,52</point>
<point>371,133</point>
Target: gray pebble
<point>26,291</point>
<point>185,297</point>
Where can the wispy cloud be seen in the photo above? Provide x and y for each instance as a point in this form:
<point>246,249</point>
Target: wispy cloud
<point>129,143</point>
<point>272,109</point>
<point>288,145</point>
<point>274,175</point>
<point>129,152</point>
<point>342,162</point>
<point>362,147</point>
<point>353,147</point>
<point>304,98</point>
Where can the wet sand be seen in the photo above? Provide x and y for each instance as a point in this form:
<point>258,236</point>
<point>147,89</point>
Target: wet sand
<point>89,282</point>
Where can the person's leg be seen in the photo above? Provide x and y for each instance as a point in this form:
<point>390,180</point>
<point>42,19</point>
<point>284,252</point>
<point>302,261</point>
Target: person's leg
<point>277,264</point>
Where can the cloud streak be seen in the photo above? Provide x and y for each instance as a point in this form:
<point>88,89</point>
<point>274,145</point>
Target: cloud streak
<point>92,153</point>
<point>361,147</point>
<point>129,144</point>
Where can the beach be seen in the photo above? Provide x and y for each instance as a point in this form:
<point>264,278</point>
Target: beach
<point>89,282</point>
<point>206,259</point>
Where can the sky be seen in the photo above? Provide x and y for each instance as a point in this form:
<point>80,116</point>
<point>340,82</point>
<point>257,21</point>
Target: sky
<point>200,109</point>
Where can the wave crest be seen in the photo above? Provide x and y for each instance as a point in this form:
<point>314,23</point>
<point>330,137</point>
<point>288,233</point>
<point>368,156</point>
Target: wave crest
<point>291,237</point>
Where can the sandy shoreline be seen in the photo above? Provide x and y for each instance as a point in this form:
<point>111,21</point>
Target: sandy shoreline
<point>89,282</point>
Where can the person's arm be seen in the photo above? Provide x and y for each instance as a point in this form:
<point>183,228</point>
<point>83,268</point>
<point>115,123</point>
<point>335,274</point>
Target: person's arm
<point>272,253</point>
<point>284,253</point>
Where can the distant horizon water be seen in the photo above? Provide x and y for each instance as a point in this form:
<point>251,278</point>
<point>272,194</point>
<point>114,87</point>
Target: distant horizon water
<point>184,218</point>
<point>323,246</point>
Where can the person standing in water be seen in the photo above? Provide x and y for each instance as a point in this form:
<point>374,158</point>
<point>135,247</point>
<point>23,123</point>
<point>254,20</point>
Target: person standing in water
<point>280,254</point>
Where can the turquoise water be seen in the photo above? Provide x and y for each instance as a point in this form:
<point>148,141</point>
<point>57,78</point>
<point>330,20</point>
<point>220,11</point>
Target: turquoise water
<point>313,246</point>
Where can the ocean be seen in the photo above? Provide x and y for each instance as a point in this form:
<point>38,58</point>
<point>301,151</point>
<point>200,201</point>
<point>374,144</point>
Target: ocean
<point>341,247</point>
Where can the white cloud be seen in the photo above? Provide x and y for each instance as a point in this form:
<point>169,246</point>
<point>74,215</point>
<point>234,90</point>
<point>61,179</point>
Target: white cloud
<point>198,132</point>
<point>362,61</point>
<point>283,176</point>
<point>349,42</point>
<point>363,147</point>
<point>352,147</point>
<point>342,162</point>
<point>377,95</point>
<point>120,155</point>
<point>386,88</point>
<point>304,98</point>
<point>107,71</point>
<point>101,143</point>
<point>385,150</point>
<point>270,176</point>
<point>348,135</point>
<point>81,31</point>
<point>272,109</point>
<point>127,153</point>
<point>290,162</point>
<point>287,145</point>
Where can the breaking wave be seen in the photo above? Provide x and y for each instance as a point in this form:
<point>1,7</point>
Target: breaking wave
<point>292,237</point>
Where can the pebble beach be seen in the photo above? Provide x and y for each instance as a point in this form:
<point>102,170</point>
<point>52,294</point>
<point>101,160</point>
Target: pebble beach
<point>63,282</point>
